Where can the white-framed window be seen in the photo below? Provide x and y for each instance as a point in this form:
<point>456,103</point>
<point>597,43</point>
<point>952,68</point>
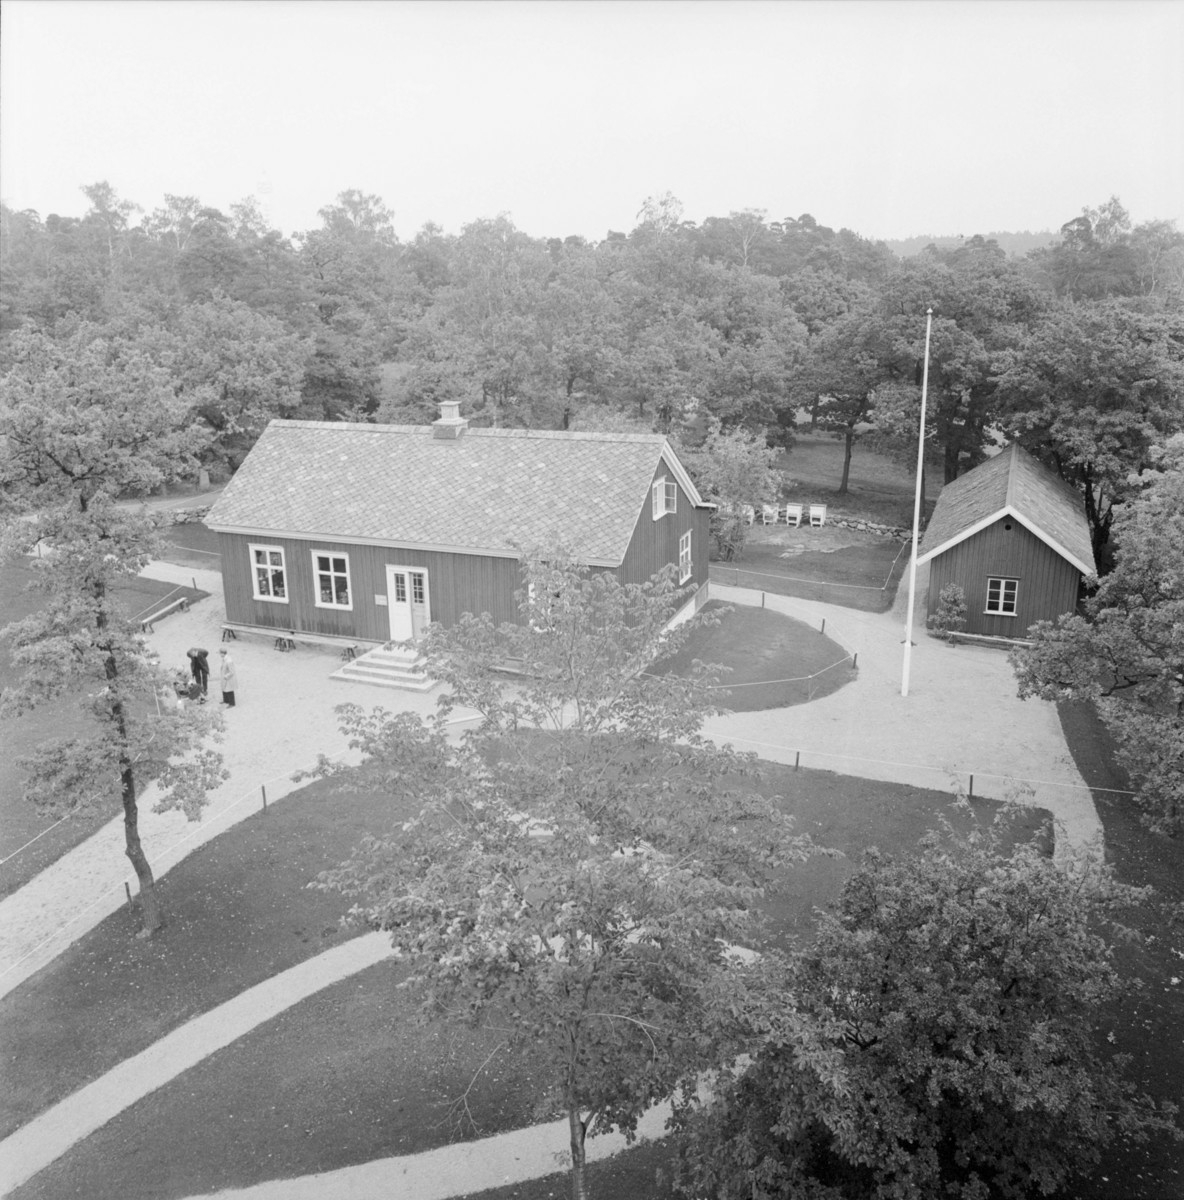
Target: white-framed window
<point>684,557</point>
<point>664,498</point>
<point>330,575</point>
<point>1001,596</point>
<point>269,575</point>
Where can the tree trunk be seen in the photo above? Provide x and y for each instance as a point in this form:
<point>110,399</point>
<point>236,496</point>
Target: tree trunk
<point>579,1170</point>
<point>814,413</point>
<point>849,444</point>
<point>151,916</point>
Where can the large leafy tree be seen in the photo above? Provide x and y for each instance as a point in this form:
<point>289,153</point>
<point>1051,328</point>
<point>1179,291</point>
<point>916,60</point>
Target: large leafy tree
<point>850,359</point>
<point>582,861</point>
<point>731,469</point>
<point>982,305</point>
<point>82,423</point>
<point>1126,652</point>
<point>238,369</point>
<point>951,1003</point>
<point>1090,390</point>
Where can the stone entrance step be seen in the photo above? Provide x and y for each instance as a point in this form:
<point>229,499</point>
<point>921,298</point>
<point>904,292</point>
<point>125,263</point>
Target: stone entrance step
<point>391,666</point>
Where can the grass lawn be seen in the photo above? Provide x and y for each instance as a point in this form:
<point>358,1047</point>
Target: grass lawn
<point>192,545</point>
<point>863,577</point>
<point>879,488</point>
<point>239,912</point>
<point>19,820</point>
<point>775,661</point>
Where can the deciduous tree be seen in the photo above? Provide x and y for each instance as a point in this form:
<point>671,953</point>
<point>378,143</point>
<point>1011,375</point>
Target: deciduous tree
<point>582,860</point>
<point>1090,390</point>
<point>957,992</point>
<point>81,424</point>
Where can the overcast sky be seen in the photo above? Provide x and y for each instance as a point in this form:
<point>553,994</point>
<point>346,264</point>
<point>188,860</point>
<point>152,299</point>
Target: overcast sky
<point>889,118</point>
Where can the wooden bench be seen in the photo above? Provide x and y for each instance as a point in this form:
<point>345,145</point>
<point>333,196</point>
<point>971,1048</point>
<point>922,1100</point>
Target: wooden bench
<point>182,603</point>
<point>291,639</point>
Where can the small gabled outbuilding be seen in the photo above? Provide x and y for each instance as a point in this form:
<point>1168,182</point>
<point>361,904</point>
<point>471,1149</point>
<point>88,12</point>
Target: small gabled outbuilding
<point>1015,538</point>
<point>369,532</point>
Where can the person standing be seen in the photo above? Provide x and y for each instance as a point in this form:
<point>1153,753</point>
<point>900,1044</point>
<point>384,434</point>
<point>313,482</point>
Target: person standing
<point>229,678</point>
<point>199,664</point>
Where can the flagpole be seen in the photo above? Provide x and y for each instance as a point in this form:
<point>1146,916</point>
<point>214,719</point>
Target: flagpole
<point>908,625</point>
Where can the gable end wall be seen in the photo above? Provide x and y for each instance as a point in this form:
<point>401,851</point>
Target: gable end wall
<point>1048,584</point>
<point>655,543</point>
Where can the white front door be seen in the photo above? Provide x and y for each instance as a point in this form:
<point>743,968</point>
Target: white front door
<point>407,602</point>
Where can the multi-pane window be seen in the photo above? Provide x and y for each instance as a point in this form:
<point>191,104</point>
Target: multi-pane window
<point>268,576</point>
<point>418,593</point>
<point>400,588</point>
<point>331,579</point>
<point>1001,596</point>
<point>664,498</point>
<point>684,557</point>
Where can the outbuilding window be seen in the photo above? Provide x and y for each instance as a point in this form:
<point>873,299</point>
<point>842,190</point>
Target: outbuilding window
<point>684,557</point>
<point>331,579</point>
<point>1001,596</point>
<point>268,573</point>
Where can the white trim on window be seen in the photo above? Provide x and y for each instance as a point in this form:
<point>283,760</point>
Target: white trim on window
<point>1002,596</point>
<point>684,557</point>
<point>269,573</point>
<point>663,498</point>
<point>330,580</point>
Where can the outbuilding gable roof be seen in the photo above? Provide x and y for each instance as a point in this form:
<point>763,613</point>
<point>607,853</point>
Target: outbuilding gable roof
<point>489,491</point>
<point>1012,484</point>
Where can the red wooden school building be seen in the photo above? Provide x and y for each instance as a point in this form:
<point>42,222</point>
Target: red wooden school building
<point>368,532</point>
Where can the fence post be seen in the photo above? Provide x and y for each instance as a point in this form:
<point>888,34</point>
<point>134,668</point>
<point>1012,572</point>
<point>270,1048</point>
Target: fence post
<point>797,759</point>
<point>762,599</point>
<point>823,630</point>
<point>127,888</point>
<point>263,789</point>
<point>855,662</point>
<point>972,785</point>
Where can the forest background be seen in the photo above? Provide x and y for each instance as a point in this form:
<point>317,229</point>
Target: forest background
<point>1073,348</point>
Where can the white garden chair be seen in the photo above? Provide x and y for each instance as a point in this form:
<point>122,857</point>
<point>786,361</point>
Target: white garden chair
<point>769,514</point>
<point>817,514</point>
<point>793,514</point>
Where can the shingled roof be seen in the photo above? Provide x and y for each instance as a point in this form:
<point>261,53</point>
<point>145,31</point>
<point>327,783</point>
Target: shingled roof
<point>1012,484</point>
<point>488,491</point>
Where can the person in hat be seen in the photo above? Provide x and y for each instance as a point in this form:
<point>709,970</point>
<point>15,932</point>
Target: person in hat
<point>228,677</point>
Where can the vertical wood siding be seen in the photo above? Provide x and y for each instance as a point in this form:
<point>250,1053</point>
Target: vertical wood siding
<point>457,583</point>
<point>655,543</point>
<point>1048,585</point>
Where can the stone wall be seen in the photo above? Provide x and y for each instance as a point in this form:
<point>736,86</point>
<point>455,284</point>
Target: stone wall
<point>893,531</point>
<point>186,516</point>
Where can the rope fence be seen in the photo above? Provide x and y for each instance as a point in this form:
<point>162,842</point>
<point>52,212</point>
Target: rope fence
<point>971,776</point>
<point>157,603</point>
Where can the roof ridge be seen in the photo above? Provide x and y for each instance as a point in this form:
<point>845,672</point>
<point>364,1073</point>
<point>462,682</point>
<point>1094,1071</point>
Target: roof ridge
<point>1011,470</point>
<point>565,435</point>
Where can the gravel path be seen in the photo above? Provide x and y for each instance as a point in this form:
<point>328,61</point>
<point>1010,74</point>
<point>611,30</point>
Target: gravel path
<point>961,718</point>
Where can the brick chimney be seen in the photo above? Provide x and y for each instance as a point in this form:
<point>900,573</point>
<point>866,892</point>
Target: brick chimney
<point>449,424</point>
